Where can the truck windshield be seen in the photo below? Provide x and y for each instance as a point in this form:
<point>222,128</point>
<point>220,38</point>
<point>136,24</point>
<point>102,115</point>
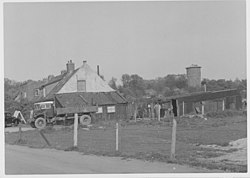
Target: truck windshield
<point>42,106</point>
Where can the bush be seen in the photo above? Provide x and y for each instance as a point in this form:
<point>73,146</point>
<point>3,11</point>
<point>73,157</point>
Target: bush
<point>226,113</point>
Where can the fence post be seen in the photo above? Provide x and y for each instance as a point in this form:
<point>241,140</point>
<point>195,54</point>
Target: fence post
<point>159,112</point>
<point>20,132</point>
<point>41,133</point>
<point>183,108</point>
<point>223,104</point>
<point>135,115</point>
<point>75,129</point>
<point>117,137</point>
<point>173,143</point>
<point>203,107</point>
<point>152,111</point>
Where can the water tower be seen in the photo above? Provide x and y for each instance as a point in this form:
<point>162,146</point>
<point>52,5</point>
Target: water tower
<point>194,76</point>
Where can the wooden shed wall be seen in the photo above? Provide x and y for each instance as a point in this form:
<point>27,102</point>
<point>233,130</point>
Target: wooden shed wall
<point>231,103</point>
<point>119,114</point>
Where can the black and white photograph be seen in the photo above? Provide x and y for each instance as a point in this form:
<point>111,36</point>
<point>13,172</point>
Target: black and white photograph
<point>124,88</point>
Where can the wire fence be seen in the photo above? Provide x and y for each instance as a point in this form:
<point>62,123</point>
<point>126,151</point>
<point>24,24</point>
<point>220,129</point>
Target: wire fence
<point>148,140</point>
<point>111,139</point>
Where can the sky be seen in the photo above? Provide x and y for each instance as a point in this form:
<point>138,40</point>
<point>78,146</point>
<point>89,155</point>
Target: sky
<point>151,39</point>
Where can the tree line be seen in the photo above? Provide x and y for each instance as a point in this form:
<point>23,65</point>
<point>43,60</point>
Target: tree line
<point>170,85</point>
<point>135,86</point>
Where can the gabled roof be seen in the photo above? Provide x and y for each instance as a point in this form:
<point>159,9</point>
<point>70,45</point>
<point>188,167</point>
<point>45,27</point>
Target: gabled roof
<point>53,80</point>
<point>93,83</point>
<point>60,84</point>
<point>89,98</point>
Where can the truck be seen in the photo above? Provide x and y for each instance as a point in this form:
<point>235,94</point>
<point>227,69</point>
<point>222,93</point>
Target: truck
<point>10,120</point>
<point>45,113</point>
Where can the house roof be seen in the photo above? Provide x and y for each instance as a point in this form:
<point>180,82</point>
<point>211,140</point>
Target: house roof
<point>53,80</point>
<point>93,81</point>
<point>60,84</point>
<point>89,98</point>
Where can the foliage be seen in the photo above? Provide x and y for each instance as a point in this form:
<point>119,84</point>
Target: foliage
<point>11,90</point>
<point>224,114</point>
<point>170,85</point>
<point>112,83</point>
<point>135,86</point>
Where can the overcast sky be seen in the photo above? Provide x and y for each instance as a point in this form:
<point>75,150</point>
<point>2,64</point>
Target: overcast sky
<point>151,39</point>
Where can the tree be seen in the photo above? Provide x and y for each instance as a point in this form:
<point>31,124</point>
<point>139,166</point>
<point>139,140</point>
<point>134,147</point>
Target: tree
<point>137,85</point>
<point>125,80</point>
<point>181,82</point>
<point>112,83</point>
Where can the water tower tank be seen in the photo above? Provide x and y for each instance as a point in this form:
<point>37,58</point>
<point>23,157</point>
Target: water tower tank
<point>194,76</point>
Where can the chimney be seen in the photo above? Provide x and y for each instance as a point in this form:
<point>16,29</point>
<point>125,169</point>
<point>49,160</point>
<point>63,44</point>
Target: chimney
<point>70,66</point>
<point>84,62</point>
<point>63,72</point>
<point>50,77</point>
<point>98,71</point>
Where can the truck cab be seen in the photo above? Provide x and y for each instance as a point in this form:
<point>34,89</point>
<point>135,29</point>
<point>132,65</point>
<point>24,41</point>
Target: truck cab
<point>42,114</point>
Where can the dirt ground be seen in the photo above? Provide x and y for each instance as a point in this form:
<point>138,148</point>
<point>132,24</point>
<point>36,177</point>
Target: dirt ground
<point>151,140</point>
<point>53,161</point>
<point>16,129</point>
<point>237,156</point>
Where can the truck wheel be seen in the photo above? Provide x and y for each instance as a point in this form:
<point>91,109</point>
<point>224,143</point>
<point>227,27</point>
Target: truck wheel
<point>40,123</point>
<point>85,120</point>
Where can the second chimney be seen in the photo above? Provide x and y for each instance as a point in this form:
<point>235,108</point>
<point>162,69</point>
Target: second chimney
<point>70,66</point>
<point>98,71</point>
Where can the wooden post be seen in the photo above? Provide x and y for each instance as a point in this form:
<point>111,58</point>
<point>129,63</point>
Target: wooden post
<point>152,111</point>
<point>135,112</point>
<point>223,104</point>
<point>173,143</point>
<point>205,87</point>
<point>20,132</point>
<point>183,108</point>
<point>43,136</point>
<point>75,129</point>
<point>178,109</point>
<point>117,137</point>
<point>159,112</point>
<point>202,107</point>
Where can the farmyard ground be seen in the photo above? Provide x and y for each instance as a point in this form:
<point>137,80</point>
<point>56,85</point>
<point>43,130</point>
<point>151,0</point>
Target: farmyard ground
<point>151,140</point>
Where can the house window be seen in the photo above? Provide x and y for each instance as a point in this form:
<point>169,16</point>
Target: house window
<point>37,92</point>
<point>81,85</point>
<point>111,109</point>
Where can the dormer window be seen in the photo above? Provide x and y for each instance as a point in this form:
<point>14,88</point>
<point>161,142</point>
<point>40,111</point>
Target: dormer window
<point>81,85</point>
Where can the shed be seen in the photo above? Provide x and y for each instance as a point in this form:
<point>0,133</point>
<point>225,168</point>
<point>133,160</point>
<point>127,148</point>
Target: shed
<point>111,105</point>
<point>206,101</point>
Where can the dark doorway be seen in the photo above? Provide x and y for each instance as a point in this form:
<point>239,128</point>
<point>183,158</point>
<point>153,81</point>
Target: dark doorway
<point>174,104</point>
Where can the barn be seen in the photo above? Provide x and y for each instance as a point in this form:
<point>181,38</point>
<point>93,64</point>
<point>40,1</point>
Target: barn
<point>204,102</point>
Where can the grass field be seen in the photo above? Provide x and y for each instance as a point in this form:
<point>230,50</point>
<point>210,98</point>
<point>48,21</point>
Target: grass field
<point>149,140</point>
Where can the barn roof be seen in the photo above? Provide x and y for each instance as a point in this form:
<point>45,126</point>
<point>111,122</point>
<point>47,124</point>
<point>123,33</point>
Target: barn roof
<point>203,96</point>
<point>89,98</point>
